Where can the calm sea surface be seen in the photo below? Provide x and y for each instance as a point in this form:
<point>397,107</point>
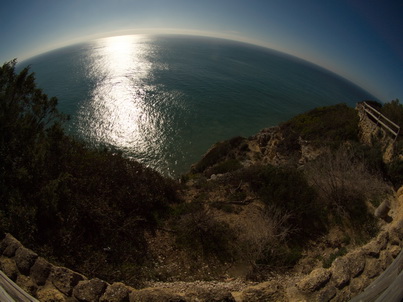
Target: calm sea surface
<point>164,100</point>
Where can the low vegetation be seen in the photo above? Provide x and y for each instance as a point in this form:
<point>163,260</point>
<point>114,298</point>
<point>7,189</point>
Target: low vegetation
<point>78,205</point>
<point>93,210</point>
<point>324,125</point>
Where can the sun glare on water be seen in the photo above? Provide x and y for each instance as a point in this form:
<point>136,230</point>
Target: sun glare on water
<point>117,113</point>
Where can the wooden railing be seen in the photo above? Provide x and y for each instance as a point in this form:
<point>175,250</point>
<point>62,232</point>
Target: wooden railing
<point>11,292</point>
<point>387,287</point>
<point>382,120</point>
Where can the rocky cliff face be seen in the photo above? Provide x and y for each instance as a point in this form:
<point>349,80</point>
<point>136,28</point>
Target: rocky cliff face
<point>348,276</point>
<point>371,133</point>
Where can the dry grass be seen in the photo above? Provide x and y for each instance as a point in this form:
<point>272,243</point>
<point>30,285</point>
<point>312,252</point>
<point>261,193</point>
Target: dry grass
<point>345,185</point>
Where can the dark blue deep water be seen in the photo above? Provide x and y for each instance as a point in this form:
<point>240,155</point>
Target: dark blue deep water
<point>164,100</point>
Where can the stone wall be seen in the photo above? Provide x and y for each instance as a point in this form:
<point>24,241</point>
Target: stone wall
<point>50,283</point>
<point>348,276</point>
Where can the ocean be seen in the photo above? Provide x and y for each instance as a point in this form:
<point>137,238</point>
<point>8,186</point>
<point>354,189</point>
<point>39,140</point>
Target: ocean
<point>164,100</point>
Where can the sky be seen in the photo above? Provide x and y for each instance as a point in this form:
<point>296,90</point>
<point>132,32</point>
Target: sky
<point>361,40</point>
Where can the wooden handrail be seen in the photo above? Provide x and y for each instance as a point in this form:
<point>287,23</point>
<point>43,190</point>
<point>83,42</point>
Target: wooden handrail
<point>387,287</point>
<point>11,292</point>
<point>381,119</point>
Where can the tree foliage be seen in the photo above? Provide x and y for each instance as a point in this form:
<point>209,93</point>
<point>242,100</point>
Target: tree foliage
<point>60,196</point>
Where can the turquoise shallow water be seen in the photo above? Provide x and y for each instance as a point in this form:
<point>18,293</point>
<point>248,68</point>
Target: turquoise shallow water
<point>164,100</point>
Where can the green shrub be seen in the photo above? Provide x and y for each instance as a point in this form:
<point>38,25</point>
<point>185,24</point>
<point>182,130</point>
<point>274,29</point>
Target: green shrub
<point>220,151</point>
<point>225,167</point>
<point>287,189</point>
<point>332,124</point>
<point>394,111</point>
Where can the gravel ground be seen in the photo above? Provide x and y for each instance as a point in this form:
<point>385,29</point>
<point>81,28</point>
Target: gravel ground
<point>232,285</point>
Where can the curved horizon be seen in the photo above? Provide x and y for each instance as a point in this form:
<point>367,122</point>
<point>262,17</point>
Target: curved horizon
<point>357,40</point>
<point>197,34</point>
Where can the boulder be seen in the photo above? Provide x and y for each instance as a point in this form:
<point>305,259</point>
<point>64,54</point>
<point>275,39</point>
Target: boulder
<point>326,294</point>
<point>386,259</point>
<point>64,279</point>
<point>356,262</point>
<point>383,210</point>
<point>25,259</point>
<point>9,245</point>
<point>394,251</point>
<point>117,292</point>
<point>373,268</point>
<point>89,290</point>
<point>341,272</point>
<point>40,271</point>
<point>26,284</point>
<point>50,294</point>
<point>357,285</point>
<point>315,280</point>
<point>372,249</point>
<point>382,239</point>
<point>9,268</point>
<point>396,232</point>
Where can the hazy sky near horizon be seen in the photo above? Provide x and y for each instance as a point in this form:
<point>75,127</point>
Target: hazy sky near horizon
<point>361,40</point>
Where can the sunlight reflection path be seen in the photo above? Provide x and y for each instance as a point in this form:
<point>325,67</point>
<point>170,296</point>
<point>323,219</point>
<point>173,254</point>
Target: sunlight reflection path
<point>117,114</point>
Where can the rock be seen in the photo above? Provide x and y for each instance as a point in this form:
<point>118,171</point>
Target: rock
<point>357,285</point>
<point>26,284</point>
<point>9,267</point>
<point>342,296</point>
<point>117,292</point>
<point>396,232</point>
<point>64,279</point>
<point>394,251</point>
<point>356,262</point>
<point>25,259</point>
<point>50,294</point>
<point>394,237</point>
<point>89,290</point>
<point>9,245</point>
<point>40,271</point>
<point>315,280</point>
<point>383,210</point>
<point>382,239</point>
<point>341,272</point>
<point>155,295</point>
<point>210,295</point>
<point>267,291</point>
<point>372,249</point>
<point>326,294</point>
<point>386,259</point>
<point>372,268</point>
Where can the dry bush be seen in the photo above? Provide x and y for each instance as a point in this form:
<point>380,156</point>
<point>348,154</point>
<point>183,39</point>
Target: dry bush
<point>263,234</point>
<point>344,183</point>
<point>203,234</point>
